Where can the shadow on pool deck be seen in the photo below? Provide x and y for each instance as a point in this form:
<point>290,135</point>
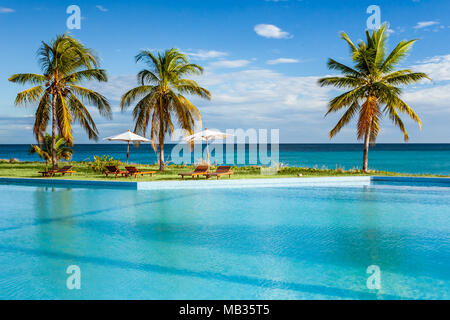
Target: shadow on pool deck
<point>208,275</point>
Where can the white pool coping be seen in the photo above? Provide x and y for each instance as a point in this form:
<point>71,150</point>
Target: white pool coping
<point>253,183</point>
<point>228,183</point>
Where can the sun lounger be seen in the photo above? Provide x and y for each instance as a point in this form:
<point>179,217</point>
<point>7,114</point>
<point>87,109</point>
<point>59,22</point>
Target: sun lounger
<point>48,173</point>
<point>115,171</point>
<point>135,172</point>
<point>63,171</point>
<point>198,171</point>
<point>221,171</point>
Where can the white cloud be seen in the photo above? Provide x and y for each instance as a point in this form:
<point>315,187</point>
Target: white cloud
<point>429,100</point>
<point>263,93</point>
<point>283,60</point>
<point>438,67</point>
<point>6,10</point>
<point>271,31</point>
<point>207,54</point>
<point>263,98</point>
<point>229,64</point>
<point>424,24</point>
<point>115,87</point>
<point>101,8</point>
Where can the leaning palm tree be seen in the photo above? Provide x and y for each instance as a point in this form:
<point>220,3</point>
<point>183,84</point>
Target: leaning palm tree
<point>160,96</point>
<point>65,62</point>
<point>373,85</point>
<point>45,149</point>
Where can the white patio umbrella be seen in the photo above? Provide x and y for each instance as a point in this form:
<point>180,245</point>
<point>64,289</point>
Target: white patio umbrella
<point>127,137</point>
<point>207,135</point>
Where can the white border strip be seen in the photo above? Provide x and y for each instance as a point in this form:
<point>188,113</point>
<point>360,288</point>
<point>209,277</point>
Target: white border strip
<point>254,183</point>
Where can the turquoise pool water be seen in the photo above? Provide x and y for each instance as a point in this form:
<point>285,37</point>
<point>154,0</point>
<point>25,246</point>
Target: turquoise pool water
<point>267,243</point>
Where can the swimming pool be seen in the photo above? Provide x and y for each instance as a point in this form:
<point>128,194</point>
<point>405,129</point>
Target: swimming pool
<point>308,242</point>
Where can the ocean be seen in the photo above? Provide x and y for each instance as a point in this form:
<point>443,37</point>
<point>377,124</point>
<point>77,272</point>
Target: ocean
<point>405,158</point>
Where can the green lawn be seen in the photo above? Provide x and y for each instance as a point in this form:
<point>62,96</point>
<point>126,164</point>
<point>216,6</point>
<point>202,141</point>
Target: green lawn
<point>31,169</point>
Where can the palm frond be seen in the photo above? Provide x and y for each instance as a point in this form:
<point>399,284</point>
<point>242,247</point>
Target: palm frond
<point>393,115</point>
<point>368,117</point>
<point>346,117</point>
<point>393,101</point>
<point>134,94</point>
<point>353,48</point>
<point>41,153</point>
<point>147,76</point>
<point>86,75</point>
<point>337,66</point>
<point>93,98</point>
<point>29,96</point>
<point>82,116</point>
<point>379,45</point>
<point>26,78</point>
<point>64,119</point>
<point>142,112</point>
<point>405,79</point>
<point>147,57</point>
<point>399,53</point>
<point>188,69</point>
<point>42,116</point>
<point>346,99</point>
<point>346,82</point>
<point>191,87</point>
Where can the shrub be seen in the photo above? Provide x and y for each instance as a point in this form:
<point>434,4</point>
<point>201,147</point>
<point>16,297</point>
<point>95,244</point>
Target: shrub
<point>340,170</point>
<point>99,164</point>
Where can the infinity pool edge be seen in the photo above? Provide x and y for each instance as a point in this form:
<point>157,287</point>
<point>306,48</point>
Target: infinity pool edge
<point>232,183</point>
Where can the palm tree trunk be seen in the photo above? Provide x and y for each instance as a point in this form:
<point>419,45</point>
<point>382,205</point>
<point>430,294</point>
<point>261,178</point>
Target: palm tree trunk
<point>161,136</point>
<point>366,150</point>
<point>54,160</point>
<point>161,146</point>
<point>161,155</point>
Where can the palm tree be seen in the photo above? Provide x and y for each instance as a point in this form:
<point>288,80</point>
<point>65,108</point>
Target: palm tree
<point>45,149</point>
<point>65,62</point>
<point>373,85</point>
<point>160,94</point>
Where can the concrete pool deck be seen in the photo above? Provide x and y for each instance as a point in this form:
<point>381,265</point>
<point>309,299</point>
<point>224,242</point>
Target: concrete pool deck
<point>225,183</point>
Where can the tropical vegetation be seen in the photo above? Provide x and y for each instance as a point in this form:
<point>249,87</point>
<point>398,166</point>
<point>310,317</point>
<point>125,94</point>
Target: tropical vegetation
<point>373,85</point>
<point>101,162</point>
<point>45,149</point>
<point>373,88</point>
<point>65,62</point>
<point>171,171</point>
<point>161,96</point>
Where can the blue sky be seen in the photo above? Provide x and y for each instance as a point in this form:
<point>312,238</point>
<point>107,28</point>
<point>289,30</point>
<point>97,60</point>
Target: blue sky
<point>262,59</point>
